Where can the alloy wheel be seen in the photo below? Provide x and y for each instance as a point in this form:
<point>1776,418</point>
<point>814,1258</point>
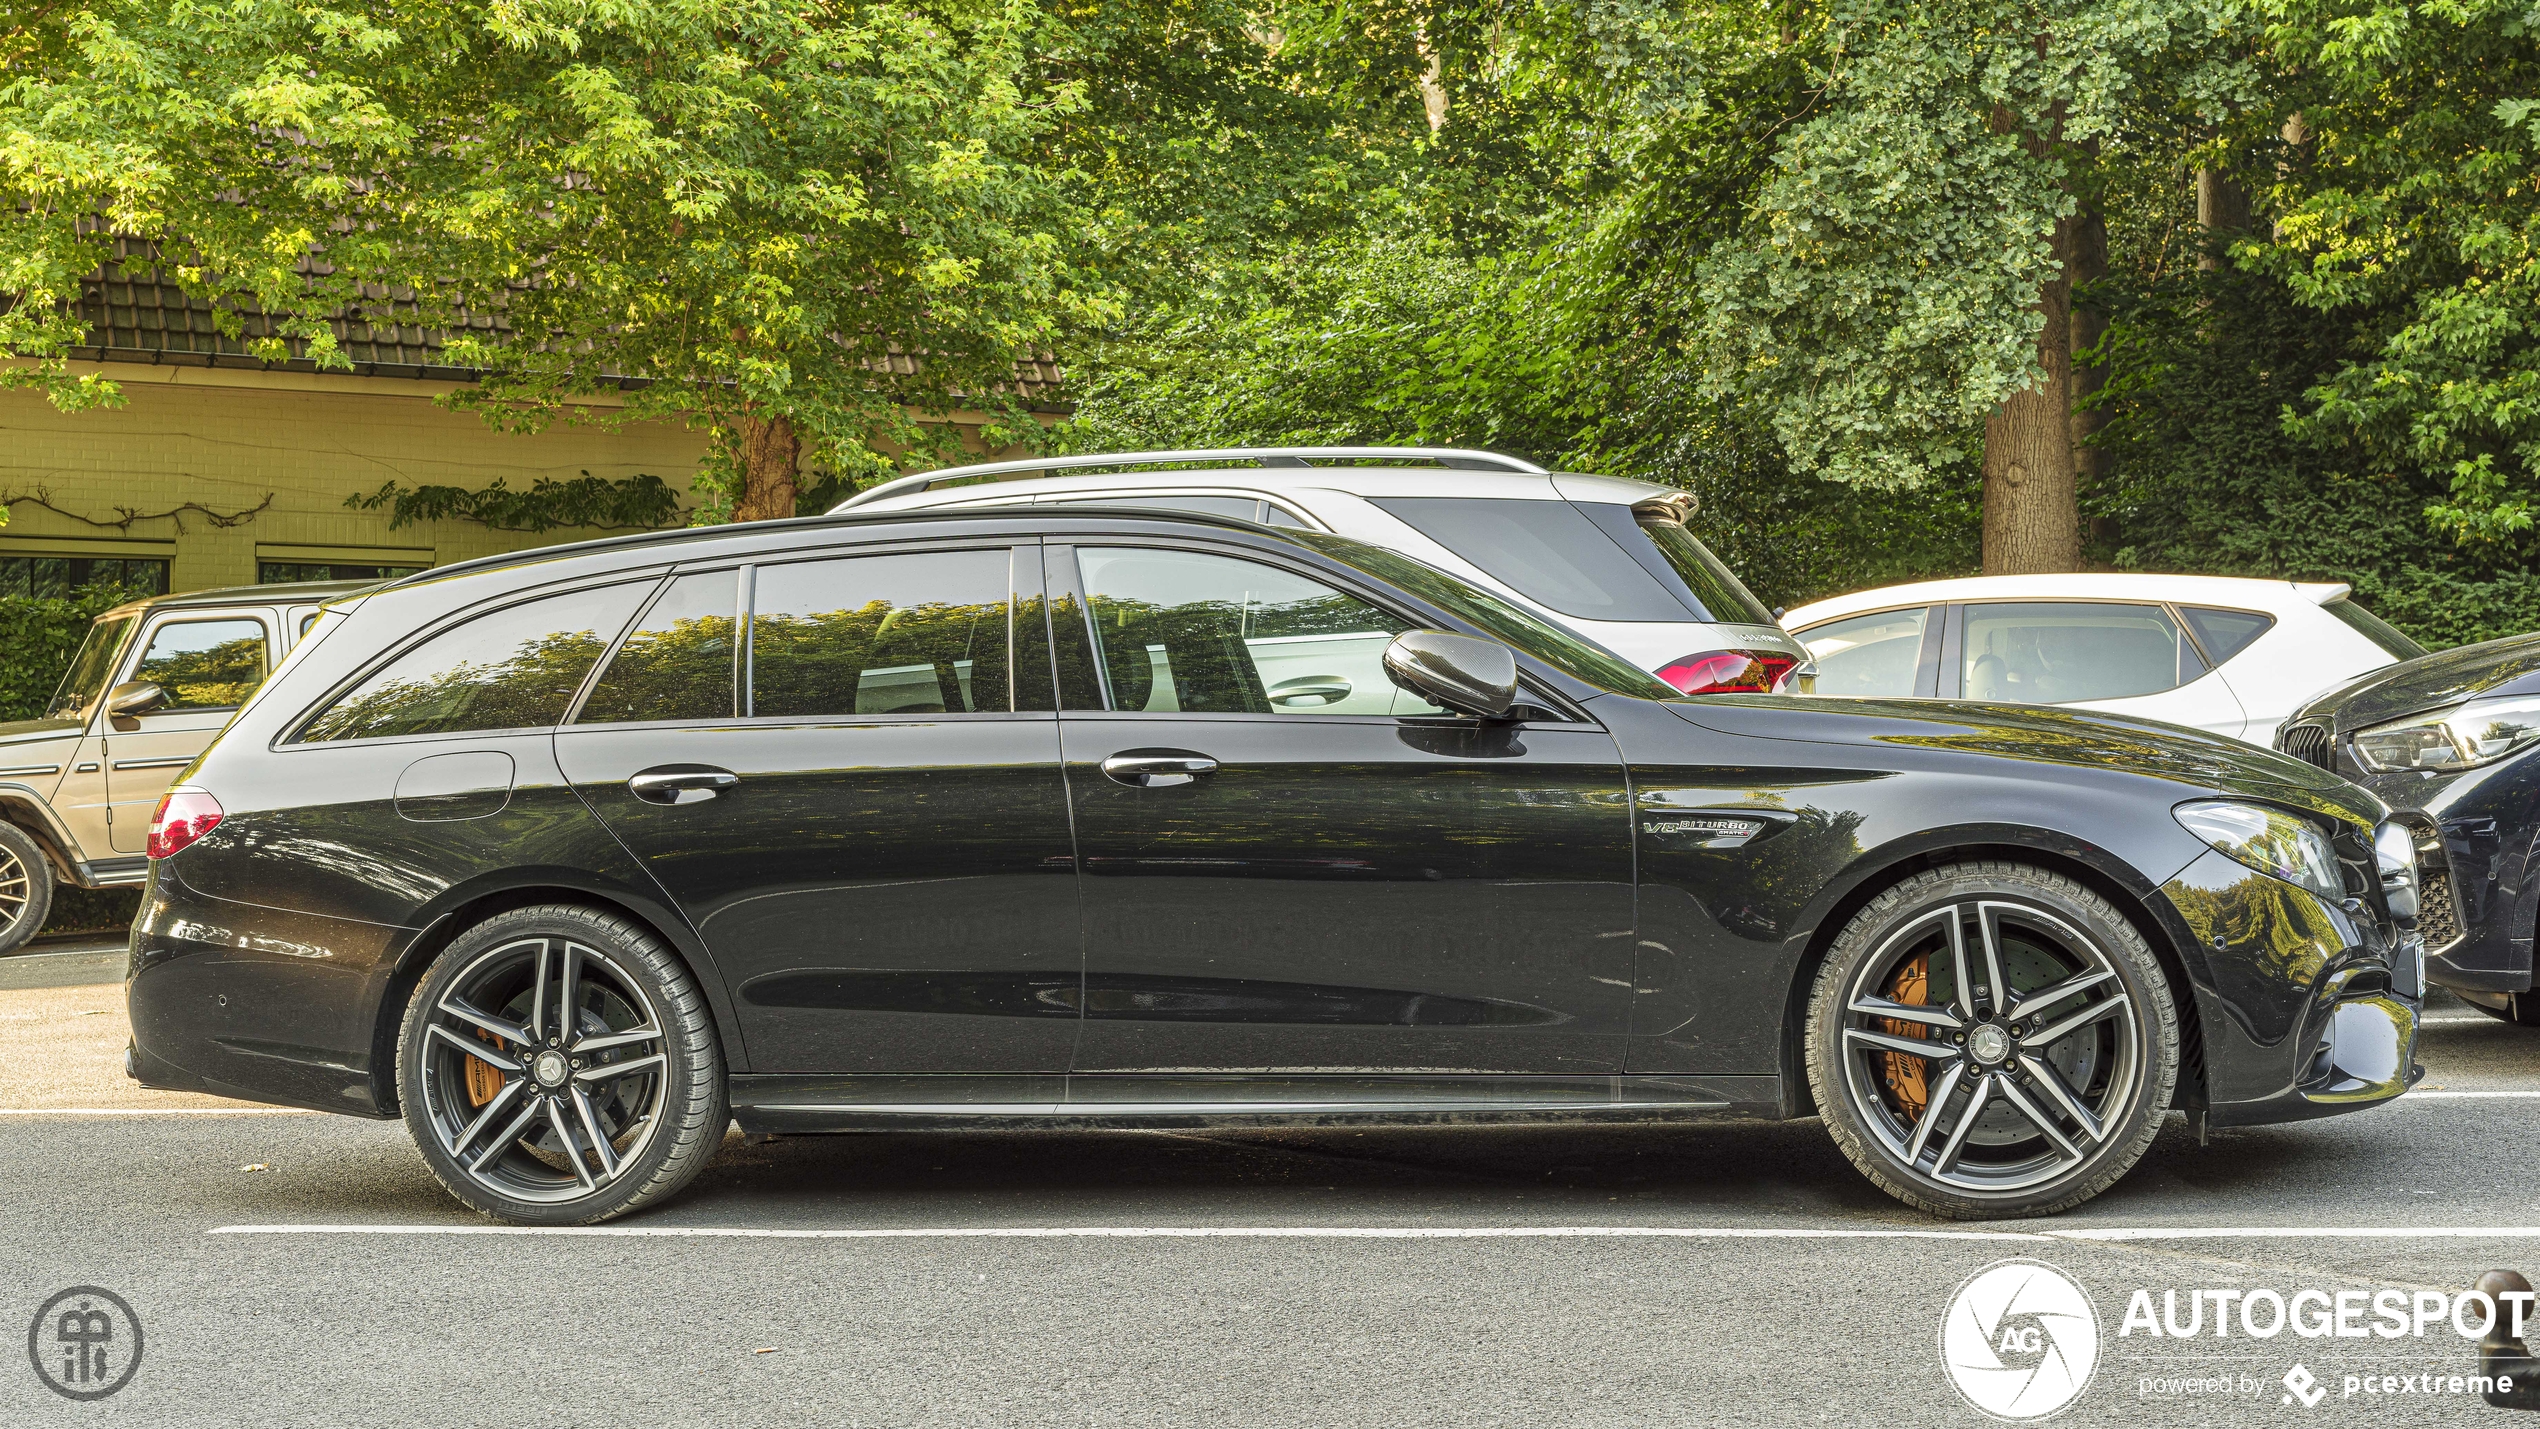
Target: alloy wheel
<point>544,1070</point>
<point>1991,1046</point>
<point>17,888</point>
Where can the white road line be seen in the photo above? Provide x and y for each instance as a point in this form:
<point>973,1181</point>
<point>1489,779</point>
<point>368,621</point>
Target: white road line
<point>2439,1095</point>
<point>157,1111</point>
<point>2129,1233</point>
<point>1158,1232</point>
<point>2459,1021</point>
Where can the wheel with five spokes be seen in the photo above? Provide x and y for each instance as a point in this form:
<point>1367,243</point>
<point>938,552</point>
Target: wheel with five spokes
<point>26,887</point>
<point>1991,1040</point>
<point>558,1066</point>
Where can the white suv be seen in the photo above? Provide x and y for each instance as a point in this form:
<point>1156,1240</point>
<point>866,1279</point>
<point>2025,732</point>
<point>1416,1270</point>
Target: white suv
<point>1609,559</point>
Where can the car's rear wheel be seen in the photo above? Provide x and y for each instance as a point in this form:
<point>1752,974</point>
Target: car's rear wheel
<point>26,888</point>
<point>1992,1039</point>
<point>558,1066</point>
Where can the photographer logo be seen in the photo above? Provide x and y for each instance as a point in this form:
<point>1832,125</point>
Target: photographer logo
<point>85,1343</point>
<point>2020,1340</point>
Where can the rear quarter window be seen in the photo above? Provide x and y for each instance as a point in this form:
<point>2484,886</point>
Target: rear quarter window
<point>514,668</point>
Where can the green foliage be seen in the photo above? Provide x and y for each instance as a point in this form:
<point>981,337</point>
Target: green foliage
<point>41,636</point>
<point>636,503</point>
<point>2407,205</point>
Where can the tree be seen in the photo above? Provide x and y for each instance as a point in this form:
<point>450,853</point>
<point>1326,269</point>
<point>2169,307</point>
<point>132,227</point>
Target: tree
<point>804,228</point>
<point>1904,276</point>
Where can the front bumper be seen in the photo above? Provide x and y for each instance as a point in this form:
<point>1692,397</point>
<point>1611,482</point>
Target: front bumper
<point>2304,1009</point>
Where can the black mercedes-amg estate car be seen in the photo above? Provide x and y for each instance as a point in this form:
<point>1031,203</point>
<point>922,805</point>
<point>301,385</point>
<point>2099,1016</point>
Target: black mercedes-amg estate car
<point>1072,816</point>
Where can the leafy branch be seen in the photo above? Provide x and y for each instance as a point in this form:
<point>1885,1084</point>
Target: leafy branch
<point>636,503</point>
<point>126,516</point>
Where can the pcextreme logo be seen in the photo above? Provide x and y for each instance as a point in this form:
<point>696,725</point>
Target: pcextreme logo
<point>2020,1340</point>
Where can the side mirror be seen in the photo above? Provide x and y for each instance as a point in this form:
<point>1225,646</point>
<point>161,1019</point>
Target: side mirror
<point>1464,673</point>
<point>133,698</point>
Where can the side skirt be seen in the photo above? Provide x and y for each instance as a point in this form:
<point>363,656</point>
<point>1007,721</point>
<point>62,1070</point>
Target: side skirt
<point>797,1103</point>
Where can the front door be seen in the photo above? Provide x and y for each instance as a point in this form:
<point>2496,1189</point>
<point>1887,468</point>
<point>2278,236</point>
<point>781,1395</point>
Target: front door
<point>1292,866</point>
<point>843,774</point>
<point>208,666</point>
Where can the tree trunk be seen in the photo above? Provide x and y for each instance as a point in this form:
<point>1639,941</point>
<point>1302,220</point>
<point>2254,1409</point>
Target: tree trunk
<point>2222,213</point>
<point>771,453</point>
<point>2032,520</point>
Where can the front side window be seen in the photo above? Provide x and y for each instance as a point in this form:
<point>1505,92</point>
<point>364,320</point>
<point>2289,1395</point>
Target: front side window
<point>205,664</point>
<point>678,663</point>
<point>1869,656</point>
<point>1185,632</point>
<point>86,678</point>
<point>883,635</point>
<point>515,668</point>
<point>2057,652</point>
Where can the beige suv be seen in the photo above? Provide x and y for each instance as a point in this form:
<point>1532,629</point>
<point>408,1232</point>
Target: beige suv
<point>150,688</point>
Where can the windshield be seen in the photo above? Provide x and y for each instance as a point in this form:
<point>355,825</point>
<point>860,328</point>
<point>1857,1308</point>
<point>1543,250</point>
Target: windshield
<point>87,677</point>
<point>2375,629</point>
<point>1520,629</point>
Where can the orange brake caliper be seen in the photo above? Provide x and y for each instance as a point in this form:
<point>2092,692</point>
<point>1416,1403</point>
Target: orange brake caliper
<point>1903,1074</point>
<point>482,1080</point>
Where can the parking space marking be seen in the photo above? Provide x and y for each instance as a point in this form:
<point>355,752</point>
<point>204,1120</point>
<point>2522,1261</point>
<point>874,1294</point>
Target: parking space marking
<point>1158,1232</point>
<point>2097,1234</point>
<point>158,1111</point>
<point>2436,1096</point>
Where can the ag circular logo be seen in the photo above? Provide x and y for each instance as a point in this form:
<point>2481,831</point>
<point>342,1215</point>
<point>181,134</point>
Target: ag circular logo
<point>2020,1340</point>
<point>85,1343</point>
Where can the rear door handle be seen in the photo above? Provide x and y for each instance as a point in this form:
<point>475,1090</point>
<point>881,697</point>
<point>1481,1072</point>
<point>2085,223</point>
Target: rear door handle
<point>1157,768</point>
<point>680,786</point>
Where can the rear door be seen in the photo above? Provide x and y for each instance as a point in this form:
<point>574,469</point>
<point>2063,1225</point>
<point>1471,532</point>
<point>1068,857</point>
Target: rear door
<point>844,769</point>
<point>208,662</point>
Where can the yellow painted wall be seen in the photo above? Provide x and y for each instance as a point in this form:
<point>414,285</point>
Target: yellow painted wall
<point>227,437</point>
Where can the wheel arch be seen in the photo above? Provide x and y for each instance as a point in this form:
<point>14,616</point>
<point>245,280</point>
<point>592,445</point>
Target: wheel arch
<point>460,911</point>
<point>34,818</point>
<point>2134,898</point>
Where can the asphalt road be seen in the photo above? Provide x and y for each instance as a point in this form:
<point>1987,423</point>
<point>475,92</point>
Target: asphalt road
<point>1726,1274</point>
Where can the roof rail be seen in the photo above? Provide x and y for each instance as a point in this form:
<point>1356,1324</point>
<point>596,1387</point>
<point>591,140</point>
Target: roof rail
<point>1455,458</point>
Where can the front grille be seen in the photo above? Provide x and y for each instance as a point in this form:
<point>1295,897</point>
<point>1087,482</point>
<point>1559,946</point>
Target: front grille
<point>2308,743</point>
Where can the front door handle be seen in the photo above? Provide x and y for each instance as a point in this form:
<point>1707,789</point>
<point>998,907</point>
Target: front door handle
<point>680,786</point>
<point>1157,768</point>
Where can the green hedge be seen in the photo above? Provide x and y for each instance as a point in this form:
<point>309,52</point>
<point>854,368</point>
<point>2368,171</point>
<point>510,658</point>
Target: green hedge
<point>38,637</point>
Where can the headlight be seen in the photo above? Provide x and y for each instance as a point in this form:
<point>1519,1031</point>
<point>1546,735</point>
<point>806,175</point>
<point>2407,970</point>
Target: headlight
<point>2394,848</point>
<point>2270,841</point>
<point>2462,737</point>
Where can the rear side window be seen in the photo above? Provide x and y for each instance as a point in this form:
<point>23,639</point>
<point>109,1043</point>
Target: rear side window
<point>2054,652</point>
<point>205,664</point>
<point>678,663</point>
<point>515,668</point>
<point>1547,550</point>
<point>2375,629</point>
<point>1869,656</point>
<point>2225,633</point>
<point>882,635</point>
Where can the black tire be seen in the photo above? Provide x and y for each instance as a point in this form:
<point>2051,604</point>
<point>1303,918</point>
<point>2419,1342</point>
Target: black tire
<point>2045,1110</point>
<point>26,888</point>
<point>2522,1009</point>
<point>539,1118</point>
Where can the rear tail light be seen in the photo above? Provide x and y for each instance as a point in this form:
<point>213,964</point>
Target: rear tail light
<point>183,816</point>
<point>1732,672</point>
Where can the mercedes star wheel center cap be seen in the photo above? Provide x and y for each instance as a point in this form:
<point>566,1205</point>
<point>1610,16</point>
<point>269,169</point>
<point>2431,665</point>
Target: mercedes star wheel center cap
<point>549,1068</point>
<point>1988,1044</point>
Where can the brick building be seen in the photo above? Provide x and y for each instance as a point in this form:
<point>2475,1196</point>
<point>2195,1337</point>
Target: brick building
<point>226,469</point>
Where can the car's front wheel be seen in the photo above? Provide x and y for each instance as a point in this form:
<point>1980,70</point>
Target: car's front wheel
<point>1992,1039</point>
<point>558,1066</point>
<point>26,888</point>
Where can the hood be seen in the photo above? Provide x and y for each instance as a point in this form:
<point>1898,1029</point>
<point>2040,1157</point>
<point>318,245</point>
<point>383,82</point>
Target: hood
<point>2498,667</point>
<point>25,730</point>
<point>2041,734</point>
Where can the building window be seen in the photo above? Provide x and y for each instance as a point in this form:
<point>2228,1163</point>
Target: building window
<point>280,572</point>
<point>57,577</point>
